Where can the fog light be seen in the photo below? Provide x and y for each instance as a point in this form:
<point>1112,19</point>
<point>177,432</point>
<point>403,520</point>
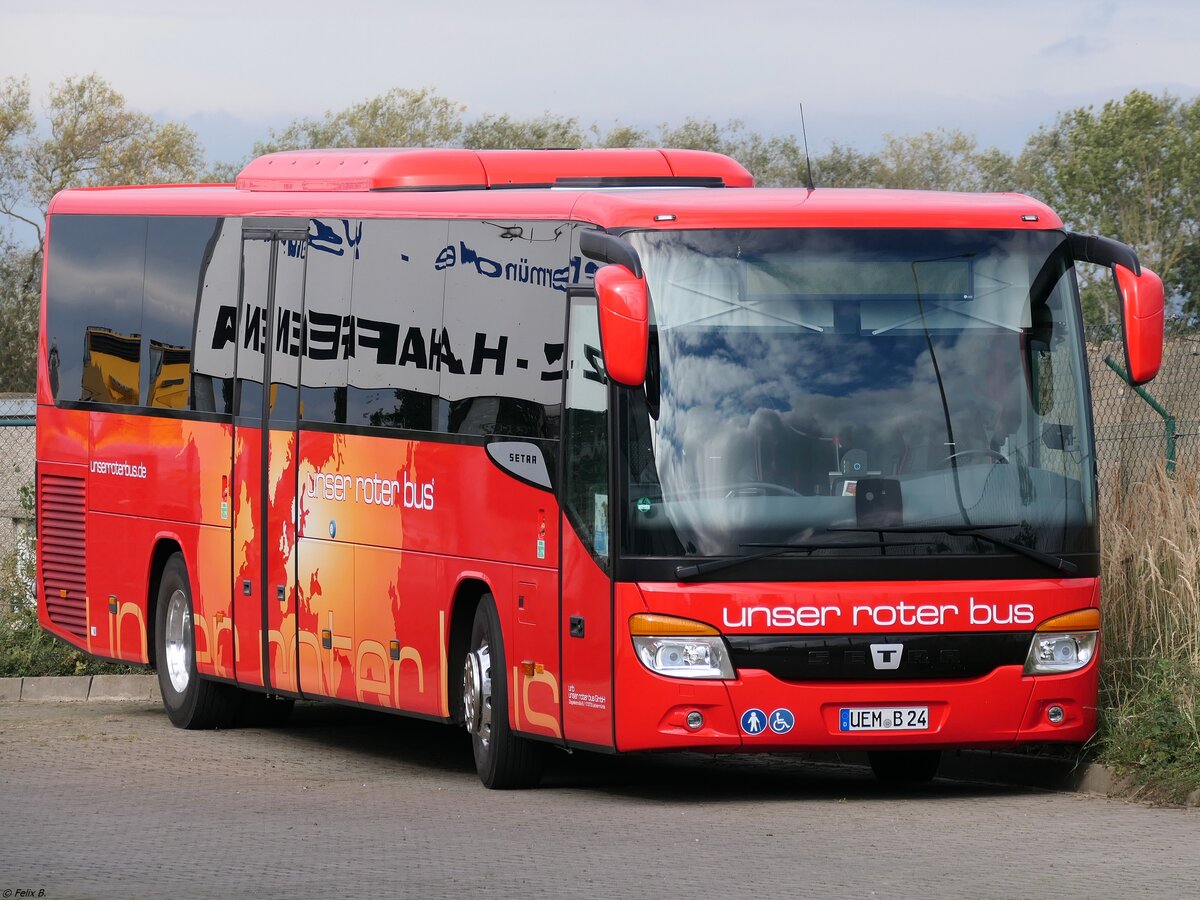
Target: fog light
<point>1055,714</point>
<point>695,721</point>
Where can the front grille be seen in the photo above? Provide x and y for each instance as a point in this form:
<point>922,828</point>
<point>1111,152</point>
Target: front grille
<point>848,657</point>
<point>62,544</point>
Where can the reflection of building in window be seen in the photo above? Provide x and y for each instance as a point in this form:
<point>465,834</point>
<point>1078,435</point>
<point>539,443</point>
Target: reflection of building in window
<point>111,366</point>
<point>169,384</point>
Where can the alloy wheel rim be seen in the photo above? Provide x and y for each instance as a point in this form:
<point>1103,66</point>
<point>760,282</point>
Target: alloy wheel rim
<point>477,694</point>
<point>178,650</point>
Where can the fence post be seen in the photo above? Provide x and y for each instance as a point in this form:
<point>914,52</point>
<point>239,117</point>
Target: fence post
<point>1168,419</point>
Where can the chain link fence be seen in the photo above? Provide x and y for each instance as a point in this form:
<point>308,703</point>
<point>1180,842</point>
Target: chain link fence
<point>17,454</point>
<point>1138,430</point>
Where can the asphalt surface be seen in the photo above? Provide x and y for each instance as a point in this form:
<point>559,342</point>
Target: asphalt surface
<point>108,800</point>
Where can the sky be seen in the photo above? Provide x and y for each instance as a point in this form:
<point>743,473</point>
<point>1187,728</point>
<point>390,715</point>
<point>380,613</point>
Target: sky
<point>234,70</point>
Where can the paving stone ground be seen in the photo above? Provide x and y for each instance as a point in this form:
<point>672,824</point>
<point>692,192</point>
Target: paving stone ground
<point>108,800</point>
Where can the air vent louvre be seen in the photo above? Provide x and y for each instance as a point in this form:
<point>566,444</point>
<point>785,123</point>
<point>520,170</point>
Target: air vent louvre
<point>62,542</point>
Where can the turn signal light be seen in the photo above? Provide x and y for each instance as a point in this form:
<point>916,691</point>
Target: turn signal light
<point>1080,620</point>
<point>652,623</point>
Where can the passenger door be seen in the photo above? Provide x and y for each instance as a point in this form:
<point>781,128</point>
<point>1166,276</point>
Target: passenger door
<point>587,616</point>
<point>270,328</point>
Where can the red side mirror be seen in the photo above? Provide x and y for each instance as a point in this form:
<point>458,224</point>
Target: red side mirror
<point>1142,310</point>
<point>624,304</point>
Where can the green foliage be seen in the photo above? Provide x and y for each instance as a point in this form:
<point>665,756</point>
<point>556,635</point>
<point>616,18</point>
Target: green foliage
<point>27,650</point>
<point>937,160</point>
<point>400,117</point>
<point>1130,171</point>
<point>20,281</point>
<point>90,138</point>
<point>621,136</point>
<point>1149,729</point>
<point>943,160</point>
<point>505,133</point>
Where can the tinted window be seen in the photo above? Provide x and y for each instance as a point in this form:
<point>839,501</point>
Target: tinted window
<point>216,322</point>
<point>287,330</point>
<point>400,353</point>
<point>332,249</point>
<point>505,314</point>
<point>94,308</point>
<point>253,330</point>
<point>178,251</point>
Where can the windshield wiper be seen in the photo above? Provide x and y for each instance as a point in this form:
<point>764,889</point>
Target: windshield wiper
<point>1058,563</point>
<point>684,572</point>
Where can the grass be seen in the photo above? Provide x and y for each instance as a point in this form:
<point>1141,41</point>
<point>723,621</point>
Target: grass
<point>1150,678</point>
<point>25,649</point>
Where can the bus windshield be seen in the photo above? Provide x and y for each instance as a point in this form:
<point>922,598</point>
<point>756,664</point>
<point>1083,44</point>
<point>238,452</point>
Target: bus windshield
<point>856,386</point>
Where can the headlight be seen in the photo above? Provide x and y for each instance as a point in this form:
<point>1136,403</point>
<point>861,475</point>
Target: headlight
<point>680,648</point>
<point>1055,649</point>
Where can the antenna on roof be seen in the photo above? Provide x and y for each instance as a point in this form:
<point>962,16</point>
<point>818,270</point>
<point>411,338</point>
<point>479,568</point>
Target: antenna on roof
<point>807,160</point>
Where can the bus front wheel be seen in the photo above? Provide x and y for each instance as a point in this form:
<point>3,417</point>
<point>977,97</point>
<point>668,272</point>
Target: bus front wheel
<point>502,759</point>
<point>190,701</point>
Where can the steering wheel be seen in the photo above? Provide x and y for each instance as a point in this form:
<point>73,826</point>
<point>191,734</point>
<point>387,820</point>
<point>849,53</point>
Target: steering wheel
<point>994,455</point>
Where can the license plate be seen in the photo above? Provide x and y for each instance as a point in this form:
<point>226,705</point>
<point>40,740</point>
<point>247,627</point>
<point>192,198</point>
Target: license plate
<point>885,718</point>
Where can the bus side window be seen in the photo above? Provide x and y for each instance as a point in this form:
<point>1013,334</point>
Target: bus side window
<point>179,254</point>
<point>329,331</point>
<point>504,317</point>
<point>214,325</point>
<point>397,311</point>
<point>96,263</point>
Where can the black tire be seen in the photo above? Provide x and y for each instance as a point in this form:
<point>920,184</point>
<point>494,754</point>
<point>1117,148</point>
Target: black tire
<point>503,760</point>
<point>264,710</point>
<point>905,766</point>
<point>190,701</point>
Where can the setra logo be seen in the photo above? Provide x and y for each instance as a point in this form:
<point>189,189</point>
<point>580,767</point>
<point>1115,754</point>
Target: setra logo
<point>886,656</point>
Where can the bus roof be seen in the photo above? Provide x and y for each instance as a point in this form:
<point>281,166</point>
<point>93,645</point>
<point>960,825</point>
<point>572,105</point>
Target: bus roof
<point>662,189</point>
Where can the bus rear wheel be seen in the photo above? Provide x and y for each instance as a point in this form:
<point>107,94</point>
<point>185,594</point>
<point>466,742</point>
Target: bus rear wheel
<point>905,766</point>
<point>502,759</point>
<point>190,701</point>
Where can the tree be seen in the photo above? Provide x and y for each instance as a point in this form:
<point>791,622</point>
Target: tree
<point>505,133</point>
<point>937,160</point>
<point>843,166</point>
<point>89,137</point>
<point>20,281</point>
<point>1129,171</point>
<point>620,136</point>
<point>943,160</point>
<point>401,117</point>
<point>93,139</point>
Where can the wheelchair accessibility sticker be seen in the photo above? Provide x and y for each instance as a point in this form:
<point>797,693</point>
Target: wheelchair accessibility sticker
<point>782,721</point>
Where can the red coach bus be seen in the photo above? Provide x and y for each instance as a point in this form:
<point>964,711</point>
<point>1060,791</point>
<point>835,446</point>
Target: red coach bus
<point>590,449</point>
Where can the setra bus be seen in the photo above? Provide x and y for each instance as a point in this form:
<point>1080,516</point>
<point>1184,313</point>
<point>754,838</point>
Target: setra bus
<point>605,450</point>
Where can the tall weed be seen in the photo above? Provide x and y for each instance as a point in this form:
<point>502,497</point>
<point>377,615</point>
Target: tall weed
<point>1150,679</point>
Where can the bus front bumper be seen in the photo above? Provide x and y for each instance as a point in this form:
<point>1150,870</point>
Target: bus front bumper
<point>756,712</point>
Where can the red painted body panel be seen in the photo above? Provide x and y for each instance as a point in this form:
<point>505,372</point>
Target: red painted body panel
<point>760,208</point>
<point>588,699</point>
<point>247,556</point>
<point>997,710</point>
<point>891,607</point>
